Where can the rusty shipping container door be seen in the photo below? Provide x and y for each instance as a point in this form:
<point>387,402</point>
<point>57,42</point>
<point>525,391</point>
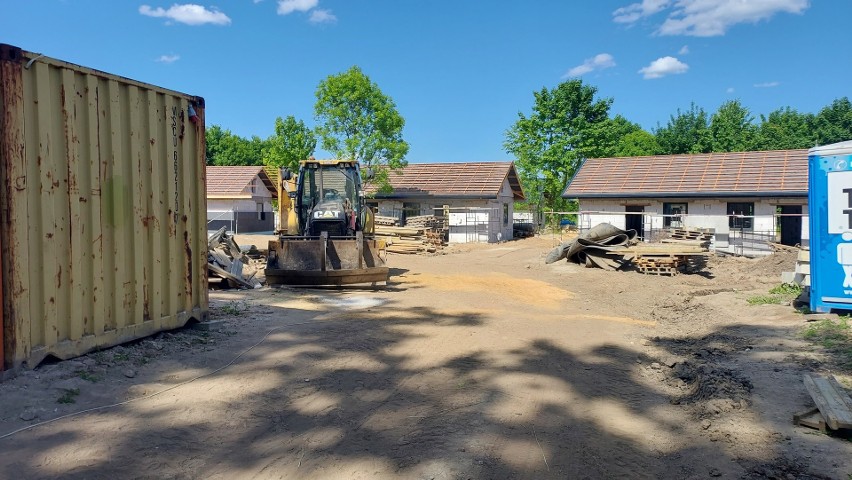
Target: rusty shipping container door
<point>103,209</point>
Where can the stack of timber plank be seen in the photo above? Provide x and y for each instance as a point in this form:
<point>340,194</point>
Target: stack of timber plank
<point>689,237</point>
<point>665,258</point>
<point>226,261</point>
<point>426,221</point>
<point>410,240</point>
<point>386,221</point>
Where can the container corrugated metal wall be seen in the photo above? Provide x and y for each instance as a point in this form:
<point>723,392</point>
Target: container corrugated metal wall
<point>103,236</point>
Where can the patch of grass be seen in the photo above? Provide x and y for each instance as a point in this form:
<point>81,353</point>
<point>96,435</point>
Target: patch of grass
<point>835,336</point>
<point>234,308</point>
<point>89,377</point>
<point>120,357</point>
<point>784,293</point>
<point>69,396</point>
<point>764,300</point>
<point>787,290</point>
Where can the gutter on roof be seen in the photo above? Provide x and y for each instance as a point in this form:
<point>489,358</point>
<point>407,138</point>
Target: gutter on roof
<point>787,194</point>
<point>391,196</point>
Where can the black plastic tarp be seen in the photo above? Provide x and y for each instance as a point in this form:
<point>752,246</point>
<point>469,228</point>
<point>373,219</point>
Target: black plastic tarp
<point>590,248</point>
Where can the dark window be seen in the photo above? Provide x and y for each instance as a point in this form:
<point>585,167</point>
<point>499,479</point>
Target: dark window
<point>673,214</point>
<point>505,214</point>
<point>410,210</point>
<point>741,215</point>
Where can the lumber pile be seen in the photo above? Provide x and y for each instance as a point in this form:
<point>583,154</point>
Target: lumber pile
<point>610,248</point>
<point>226,261</point>
<point>426,221</point>
<point>410,240</point>
<point>687,236</point>
<point>386,221</point>
<point>665,258</point>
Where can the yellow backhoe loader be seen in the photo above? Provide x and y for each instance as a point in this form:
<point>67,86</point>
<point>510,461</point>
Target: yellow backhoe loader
<point>325,230</point>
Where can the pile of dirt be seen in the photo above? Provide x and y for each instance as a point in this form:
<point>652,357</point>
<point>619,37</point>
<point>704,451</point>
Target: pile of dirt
<point>763,269</point>
<point>713,388</point>
<point>773,265</point>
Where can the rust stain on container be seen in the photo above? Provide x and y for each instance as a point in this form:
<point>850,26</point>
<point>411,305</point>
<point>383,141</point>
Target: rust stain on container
<point>88,243</point>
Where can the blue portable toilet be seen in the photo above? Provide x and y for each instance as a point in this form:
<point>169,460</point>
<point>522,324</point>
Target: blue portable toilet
<point>830,211</point>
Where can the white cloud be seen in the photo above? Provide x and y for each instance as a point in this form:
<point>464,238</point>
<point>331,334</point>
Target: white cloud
<point>189,14</point>
<point>598,62</point>
<point>767,84</point>
<point>707,18</point>
<point>683,50</point>
<point>635,11</point>
<point>168,58</point>
<point>322,16</point>
<point>286,7</point>
<point>730,90</point>
<point>664,66</point>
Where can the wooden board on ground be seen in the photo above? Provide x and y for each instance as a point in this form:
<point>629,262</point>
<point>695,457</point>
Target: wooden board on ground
<point>812,419</point>
<point>831,399</point>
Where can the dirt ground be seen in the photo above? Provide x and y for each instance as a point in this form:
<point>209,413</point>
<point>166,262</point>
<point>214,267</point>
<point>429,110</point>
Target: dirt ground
<point>479,363</point>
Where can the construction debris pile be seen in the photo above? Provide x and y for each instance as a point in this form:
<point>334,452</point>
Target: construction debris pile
<point>227,262</point>
<point>422,234</point>
<point>611,248</point>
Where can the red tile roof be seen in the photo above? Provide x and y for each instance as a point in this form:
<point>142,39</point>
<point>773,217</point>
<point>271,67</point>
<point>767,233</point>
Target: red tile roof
<point>453,180</point>
<point>231,181</point>
<point>776,173</point>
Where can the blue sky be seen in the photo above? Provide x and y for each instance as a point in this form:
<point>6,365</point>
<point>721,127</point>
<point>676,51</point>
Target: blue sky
<point>459,71</point>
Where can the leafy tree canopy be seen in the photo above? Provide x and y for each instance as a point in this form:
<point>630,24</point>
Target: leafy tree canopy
<point>834,123</point>
<point>732,129</point>
<point>357,121</point>
<point>225,148</point>
<point>786,129</point>
<point>686,132</point>
<point>291,143</point>
<point>566,125</point>
<point>637,143</point>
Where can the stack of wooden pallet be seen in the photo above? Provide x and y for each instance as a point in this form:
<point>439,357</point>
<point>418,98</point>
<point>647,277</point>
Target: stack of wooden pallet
<point>660,265</point>
<point>410,240</point>
<point>664,258</point>
<point>690,237</point>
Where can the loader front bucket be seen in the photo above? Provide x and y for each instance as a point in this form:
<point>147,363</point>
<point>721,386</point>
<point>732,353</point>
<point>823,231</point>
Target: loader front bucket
<point>323,260</point>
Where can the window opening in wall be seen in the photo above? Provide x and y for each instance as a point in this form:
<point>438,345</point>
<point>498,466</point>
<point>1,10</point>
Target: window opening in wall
<point>673,214</point>
<point>505,214</point>
<point>261,215</point>
<point>410,210</point>
<point>741,215</point>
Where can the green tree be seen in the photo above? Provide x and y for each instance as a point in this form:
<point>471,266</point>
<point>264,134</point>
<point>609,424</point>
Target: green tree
<point>564,127</point>
<point>786,129</point>
<point>291,143</point>
<point>357,121</point>
<point>636,144</point>
<point>604,137</point>
<point>225,148</point>
<point>686,132</point>
<point>834,123</point>
<point>732,128</point>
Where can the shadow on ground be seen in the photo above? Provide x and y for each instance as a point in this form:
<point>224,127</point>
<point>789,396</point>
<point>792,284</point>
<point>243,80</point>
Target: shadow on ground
<point>346,395</point>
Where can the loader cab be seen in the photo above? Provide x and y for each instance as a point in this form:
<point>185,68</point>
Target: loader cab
<point>327,198</point>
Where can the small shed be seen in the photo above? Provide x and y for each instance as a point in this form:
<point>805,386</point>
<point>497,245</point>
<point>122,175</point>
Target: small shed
<point>240,199</point>
<point>477,198</point>
<point>746,198</point>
